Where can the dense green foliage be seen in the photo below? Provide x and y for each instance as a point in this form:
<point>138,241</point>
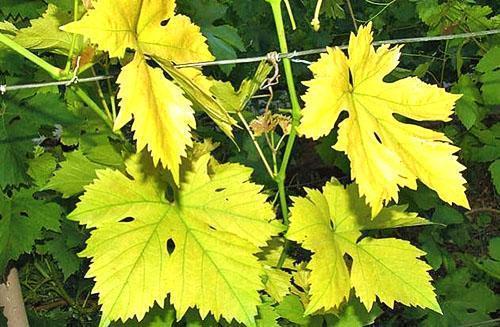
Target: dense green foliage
<point>51,145</point>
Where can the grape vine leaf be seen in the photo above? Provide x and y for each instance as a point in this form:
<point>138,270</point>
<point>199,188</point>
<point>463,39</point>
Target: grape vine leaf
<point>66,258</point>
<point>464,301</point>
<point>329,223</point>
<point>495,174</point>
<point>489,65</point>
<point>41,167</point>
<point>151,28</point>
<point>146,94</point>
<point>76,172</point>
<point>23,8</point>
<point>267,314</point>
<point>385,153</point>
<point>22,220</point>
<point>144,246</point>
<point>222,39</point>
<point>44,33</point>
<point>19,126</point>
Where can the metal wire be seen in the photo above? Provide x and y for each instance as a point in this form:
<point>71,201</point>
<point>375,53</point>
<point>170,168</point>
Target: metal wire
<point>290,55</point>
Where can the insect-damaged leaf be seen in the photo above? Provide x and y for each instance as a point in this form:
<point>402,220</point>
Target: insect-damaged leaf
<point>199,248</point>
<point>385,153</point>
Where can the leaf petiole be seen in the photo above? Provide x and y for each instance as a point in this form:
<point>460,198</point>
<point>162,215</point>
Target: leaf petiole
<point>53,71</point>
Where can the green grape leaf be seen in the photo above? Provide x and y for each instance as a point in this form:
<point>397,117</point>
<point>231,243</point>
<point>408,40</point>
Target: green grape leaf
<point>489,65</point>
<point>55,245</point>
<point>44,33</point>
<point>277,283</point>
<point>23,8</point>
<point>267,314</point>
<point>41,168</point>
<point>329,223</point>
<point>76,172</point>
<point>355,314</point>
<point>291,308</point>
<point>144,246</point>
<point>19,126</point>
<point>197,88</point>
<point>223,40</point>
<point>236,101</point>
<point>447,215</point>
<point>467,108</point>
<point>22,220</point>
<point>464,302</point>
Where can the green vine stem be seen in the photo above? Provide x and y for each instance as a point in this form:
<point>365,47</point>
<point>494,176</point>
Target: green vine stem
<point>57,74</point>
<point>280,178</point>
<point>256,144</point>
<point>53,71</point>
<point>73,39</point>
<point>92,105</point>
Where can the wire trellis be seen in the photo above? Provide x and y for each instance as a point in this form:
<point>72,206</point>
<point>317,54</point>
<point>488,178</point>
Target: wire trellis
<point>290,55</point>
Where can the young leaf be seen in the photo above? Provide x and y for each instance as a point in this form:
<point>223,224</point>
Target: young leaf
<point>145,246</point>
<point>163,117</point>
<point>385,153</point>
<point>329,224</point>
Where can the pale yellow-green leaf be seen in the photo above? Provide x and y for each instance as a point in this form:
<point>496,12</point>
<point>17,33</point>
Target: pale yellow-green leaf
<point>329,223</point>
<point>277,283</point>
<point>389,269</point>
<point>163,117</point>
<point>385,153</point>
<point>44,33</point>
<point>311,225</point>
<point>197,88</point>
<point>199,249</point>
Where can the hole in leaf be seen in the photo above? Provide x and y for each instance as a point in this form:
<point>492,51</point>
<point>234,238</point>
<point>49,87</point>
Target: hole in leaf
<point>378,138</point>
<point>164,22</point>
<point>23,214</point>
<point>127,220</point>
<point>332,225</point>
<point>170,246</point>
<point>220,189</point>
<point>212,227</point>
<point>169,194</point>
<point>351,79</point>
<point>471,310</point>
<point>297,286</point>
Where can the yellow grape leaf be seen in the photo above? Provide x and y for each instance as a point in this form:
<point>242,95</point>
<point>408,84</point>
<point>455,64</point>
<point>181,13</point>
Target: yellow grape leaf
<point>163,117</point>
<point>385,153</point>
<point>329,223</point>
<point>146,25</point>
<point>197,88</point>
<point>200,248</point>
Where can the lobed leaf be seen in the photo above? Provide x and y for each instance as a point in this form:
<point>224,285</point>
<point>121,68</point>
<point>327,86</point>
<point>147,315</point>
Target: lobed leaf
<point>329,224</point>
<point>199,249</point>
<point>386,153</point>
